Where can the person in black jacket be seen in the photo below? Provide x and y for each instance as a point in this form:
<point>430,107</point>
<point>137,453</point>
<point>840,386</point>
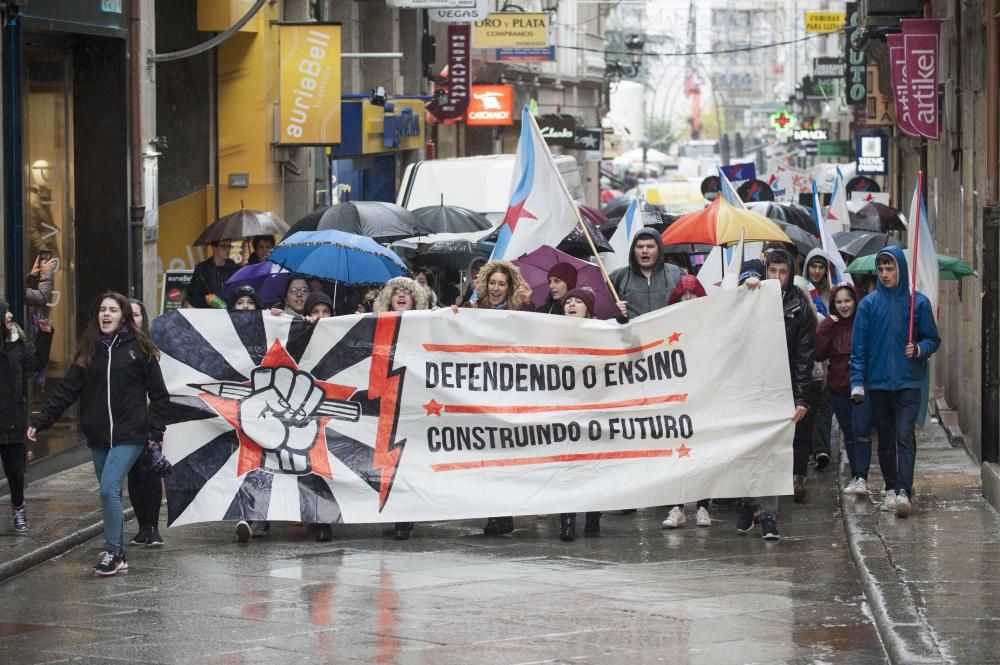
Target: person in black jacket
<point>18,357</point>
<point>209,278</point>
<point>123,403</point>
<point>800,337</point>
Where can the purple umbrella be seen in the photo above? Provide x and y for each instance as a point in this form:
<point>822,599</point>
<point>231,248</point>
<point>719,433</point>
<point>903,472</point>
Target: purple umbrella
<point>535,268</point>
<point>268,280</point>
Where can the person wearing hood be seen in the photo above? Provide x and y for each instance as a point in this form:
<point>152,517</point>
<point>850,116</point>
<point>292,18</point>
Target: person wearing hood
<point>243,298</point>
<point>123,408</point>
<point>646,283</point>
<point>816,271</point>
<point>562,279</point>
<point>889,368</point>
<point>833,343</point>
<point>18,358</point>
<point>800,339</point>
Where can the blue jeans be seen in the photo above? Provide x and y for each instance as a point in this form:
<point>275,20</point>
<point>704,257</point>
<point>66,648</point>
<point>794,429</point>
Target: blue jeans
<point>895,415</point>
<point>856,424</point>
<point>112,466</point>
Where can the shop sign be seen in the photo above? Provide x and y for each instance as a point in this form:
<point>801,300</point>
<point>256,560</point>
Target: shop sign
<point>557,129</point>
<point>857,66</point>
<point>872,152</point>
<point>396,127</point>
<point>467,12</point>
<point>309,90</point>
<point>828,68</point>
<point>511,29</point>
<point>900,85</point>
<point>547,54</point>
<point>920,68</point>
<point>399,125</point>
<point>491,105</point>
<point>824,21</point>
<point>459,75</point>
<point>810,135</point>
<point>587,138</point>
<point>175,286</point>
<point>783,120</point>
<point>431,4</point>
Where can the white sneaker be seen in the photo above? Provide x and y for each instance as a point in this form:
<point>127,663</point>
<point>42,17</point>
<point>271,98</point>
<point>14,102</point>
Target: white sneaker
<point>861,487</point>
<point>889,504</point>
<point>674,519</point>
<point>852,487</point>
<point>703,518</point>
<point>903,505</point>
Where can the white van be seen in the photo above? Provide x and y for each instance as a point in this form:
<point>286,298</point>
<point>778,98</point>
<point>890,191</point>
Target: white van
<point>477,183</point>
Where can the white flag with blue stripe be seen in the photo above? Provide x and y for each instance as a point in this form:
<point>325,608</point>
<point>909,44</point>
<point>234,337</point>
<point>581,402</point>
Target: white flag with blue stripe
<point>621,240</point>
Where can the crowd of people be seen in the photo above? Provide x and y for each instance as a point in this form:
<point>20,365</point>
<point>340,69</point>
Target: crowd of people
<point>848,355</point>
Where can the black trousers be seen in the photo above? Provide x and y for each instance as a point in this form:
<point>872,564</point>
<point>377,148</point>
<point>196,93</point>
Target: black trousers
<point>145,490</point>
<point>15,461</point>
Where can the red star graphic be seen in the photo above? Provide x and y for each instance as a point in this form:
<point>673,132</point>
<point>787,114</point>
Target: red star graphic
<point>252,454</point>
<point>673,339</point>
<point>433,408</point>
<point>515,213</point>
<point>683,451</point>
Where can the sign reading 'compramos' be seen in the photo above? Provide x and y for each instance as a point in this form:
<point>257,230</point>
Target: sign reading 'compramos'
<point>309,102</point>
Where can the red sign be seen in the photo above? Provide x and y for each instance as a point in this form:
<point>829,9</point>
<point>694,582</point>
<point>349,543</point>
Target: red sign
<point>491,105</point>
<point>900,85</point>
<point>459,75</point>
<point>920,46</point>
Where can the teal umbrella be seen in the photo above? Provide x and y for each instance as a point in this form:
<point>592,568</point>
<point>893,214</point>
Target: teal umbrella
<point>948,266</point>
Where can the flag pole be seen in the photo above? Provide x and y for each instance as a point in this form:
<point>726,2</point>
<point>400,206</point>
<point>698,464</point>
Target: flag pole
<point>914,251</point>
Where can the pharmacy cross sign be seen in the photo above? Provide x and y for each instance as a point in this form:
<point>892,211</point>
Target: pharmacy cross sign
<point>782,120</point>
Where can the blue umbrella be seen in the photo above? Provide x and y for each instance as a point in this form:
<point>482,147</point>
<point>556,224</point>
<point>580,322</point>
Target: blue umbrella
<point>338,256</point>
<point>266,278</point>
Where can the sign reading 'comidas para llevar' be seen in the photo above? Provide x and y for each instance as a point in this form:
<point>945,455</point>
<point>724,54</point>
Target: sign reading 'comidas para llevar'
<point>437,415</point>
<point>309,102</point>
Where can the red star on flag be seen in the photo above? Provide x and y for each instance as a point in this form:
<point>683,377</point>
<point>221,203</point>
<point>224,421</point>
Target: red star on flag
<point>433,408</point>
<point>515,213</point>
<point>683,451</point>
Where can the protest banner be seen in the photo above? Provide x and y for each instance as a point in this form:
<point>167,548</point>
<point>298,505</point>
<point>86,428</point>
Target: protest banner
<point>436,415</point>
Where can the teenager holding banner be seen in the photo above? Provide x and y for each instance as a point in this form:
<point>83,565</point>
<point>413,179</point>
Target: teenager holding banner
<point>800,337</point>
<point>894,335</point>
<point>646,283</point>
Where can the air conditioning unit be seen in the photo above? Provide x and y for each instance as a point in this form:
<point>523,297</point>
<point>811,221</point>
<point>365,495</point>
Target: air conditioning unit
<point>888,12</point>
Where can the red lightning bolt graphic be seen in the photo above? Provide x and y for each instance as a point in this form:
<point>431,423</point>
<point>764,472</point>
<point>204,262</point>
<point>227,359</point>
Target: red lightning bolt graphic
<point>386,385</point>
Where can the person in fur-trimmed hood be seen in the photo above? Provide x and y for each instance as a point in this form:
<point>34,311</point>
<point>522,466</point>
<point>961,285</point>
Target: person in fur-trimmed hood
<point>393,296</point>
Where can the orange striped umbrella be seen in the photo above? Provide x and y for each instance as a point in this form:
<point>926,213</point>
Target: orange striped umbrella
<point>722,224</point>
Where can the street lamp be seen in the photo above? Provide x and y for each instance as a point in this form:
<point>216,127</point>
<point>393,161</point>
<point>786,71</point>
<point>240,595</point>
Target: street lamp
<point>615,70</point>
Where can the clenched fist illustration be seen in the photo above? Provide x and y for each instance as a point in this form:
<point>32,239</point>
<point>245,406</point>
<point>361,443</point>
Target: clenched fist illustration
<point>279,416</point>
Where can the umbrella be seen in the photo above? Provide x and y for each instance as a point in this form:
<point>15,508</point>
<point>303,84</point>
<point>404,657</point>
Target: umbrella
<point>618,207</point>
<point>862,243</point>
<point>592,215</point>
<point>338,256</point>
<point>267,279</point>
<point>790,213</point>
<point>535,268</point>
<point>242,224</point>
<point>872,216</point>
<point>804,242</point>
<point>452,251</point>
<point>653,220</point>
<point>949,267</point>
<point>574,243</point>
<point>374,219</point>
<point>723,224</point>
<point>449,219</point>
<point>609,195</point>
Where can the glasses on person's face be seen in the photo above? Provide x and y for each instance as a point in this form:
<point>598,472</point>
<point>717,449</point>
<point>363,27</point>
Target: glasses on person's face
<point>298,291</point>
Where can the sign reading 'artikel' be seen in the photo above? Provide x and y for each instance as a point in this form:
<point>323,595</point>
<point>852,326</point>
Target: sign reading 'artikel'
<point>309,90</point>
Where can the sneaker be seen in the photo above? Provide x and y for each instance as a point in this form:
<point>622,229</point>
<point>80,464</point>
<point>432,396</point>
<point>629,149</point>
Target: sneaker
<point>20,518</point>
<point>109,564</point>
<point>769,527</point>
<point>153,538</point>
<point>703,518</point>
<point>261,529</point>
<point>799,488</point>
<point>889,503</point>
<point>139,538</point>
<point>903,505</point>
<point>244,532</point>
<point>822,460</point>
<point>861,487</point>
<point>674,519</point>
<point>744,517</point>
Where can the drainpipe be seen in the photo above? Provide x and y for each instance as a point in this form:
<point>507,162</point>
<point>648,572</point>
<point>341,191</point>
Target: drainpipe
<point>137,206</point>
<point>992,91</point>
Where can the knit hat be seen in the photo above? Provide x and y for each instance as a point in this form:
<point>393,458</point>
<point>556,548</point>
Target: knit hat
<point>565,272</point>
<point>239,293</point>
<point>584,293</point>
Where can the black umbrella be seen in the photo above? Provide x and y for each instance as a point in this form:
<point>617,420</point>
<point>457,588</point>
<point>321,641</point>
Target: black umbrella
<point>654,220</point>
<point>449,219</point>
<point>445,250</point>
<point>862,243</point>
<point>790,213</point>
<point>242,224</point>
<point>872,216</point>
<point>618,207</point>
<point>804,242</point>
<point>374,219</point>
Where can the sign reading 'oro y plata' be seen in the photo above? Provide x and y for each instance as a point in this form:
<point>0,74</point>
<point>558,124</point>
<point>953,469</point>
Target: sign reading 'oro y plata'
<point>511,30</point>
<point>309,102</point>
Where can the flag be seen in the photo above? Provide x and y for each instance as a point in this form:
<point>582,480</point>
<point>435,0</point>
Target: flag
<point>541,211</point>
<point>728,191</point>
<point>837,217</point>
<point>925,259</point>
<point>838,269</point>
<point>621,240</point>
<point>731,278</point>
<point>710,274</point>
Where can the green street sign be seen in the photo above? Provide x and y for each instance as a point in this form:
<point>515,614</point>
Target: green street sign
<point>834,149</point>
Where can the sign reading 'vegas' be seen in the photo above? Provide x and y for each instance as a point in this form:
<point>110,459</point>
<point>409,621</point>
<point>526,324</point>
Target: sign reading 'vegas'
<point>309,102</point>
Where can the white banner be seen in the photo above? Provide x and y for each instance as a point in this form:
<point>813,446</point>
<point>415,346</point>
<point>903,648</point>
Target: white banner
<point>438,415</point>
